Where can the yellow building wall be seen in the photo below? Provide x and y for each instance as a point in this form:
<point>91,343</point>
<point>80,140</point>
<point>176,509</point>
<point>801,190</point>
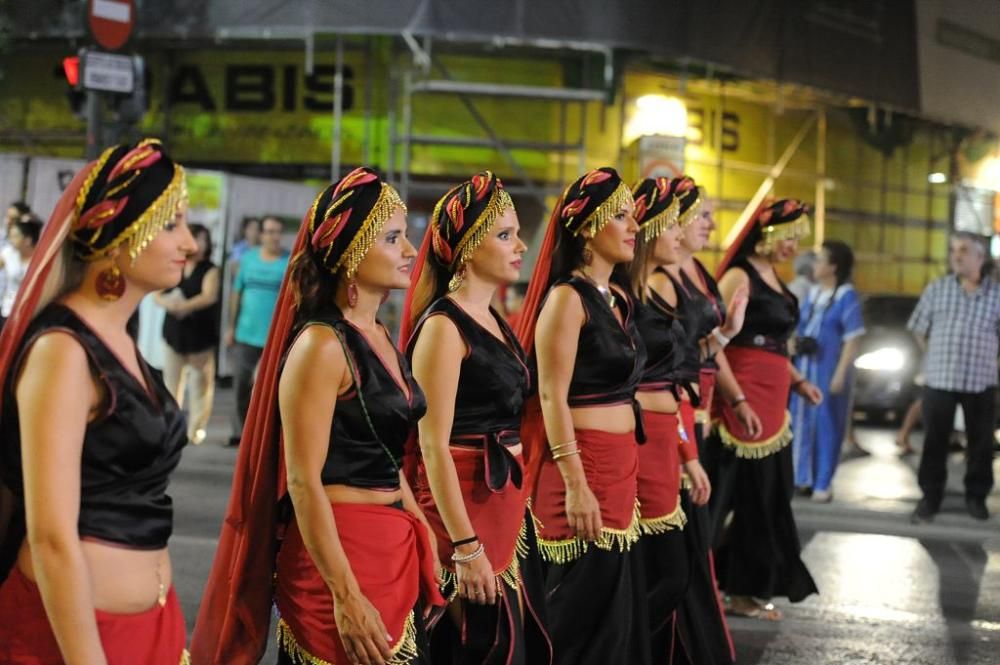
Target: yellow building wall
<point>261,107</point>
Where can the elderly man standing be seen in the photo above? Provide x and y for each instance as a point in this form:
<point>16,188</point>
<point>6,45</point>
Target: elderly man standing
<point>957,323</point>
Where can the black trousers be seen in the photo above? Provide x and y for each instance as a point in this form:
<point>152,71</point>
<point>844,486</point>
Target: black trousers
<point>939,418</point>
<point>245,359</point>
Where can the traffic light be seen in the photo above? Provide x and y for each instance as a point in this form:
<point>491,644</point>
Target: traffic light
<point>69,72</point>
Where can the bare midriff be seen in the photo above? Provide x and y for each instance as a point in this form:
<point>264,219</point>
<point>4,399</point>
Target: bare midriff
<point>613,418</point>
<point>378,497</point>
<point>123,580</point>
<point>659,401</point>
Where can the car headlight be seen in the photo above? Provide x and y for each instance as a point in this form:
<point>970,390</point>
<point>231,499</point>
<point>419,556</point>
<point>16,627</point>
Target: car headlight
<point>886,359</point>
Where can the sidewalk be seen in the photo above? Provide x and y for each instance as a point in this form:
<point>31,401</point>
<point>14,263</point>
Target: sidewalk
<point>877,493</point>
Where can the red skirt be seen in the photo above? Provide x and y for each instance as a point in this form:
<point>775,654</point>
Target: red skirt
<point>497,517</point>
<point>659,477</point>
<point>390,555</point>
<point>706,390</point>
<point>688,443</point>
<point>765,380</point>
<point>611,465</point>
<point>154,637</point>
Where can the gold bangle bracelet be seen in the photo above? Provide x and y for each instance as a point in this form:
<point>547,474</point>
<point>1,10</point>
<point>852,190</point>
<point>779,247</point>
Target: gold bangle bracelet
<point>562,445</point>
<point>566,454</point>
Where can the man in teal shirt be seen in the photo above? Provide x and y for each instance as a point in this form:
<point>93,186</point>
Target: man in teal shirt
<point>255,294</point>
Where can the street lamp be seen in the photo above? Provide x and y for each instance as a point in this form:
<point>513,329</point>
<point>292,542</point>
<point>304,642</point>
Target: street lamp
<point>656,115</point>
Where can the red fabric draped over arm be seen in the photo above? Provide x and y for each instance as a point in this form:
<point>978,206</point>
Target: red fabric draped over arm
<point>234,615</point>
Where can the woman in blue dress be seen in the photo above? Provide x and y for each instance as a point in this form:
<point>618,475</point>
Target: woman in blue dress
<point>830,328</point>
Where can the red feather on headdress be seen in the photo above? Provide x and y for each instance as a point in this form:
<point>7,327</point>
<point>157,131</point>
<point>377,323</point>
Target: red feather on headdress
<point>662,189</point>
<point>328,231</point>
<point>481,184</point>
<point>641,206</point>
<point>575,207</point>
<point>594,177</point>
<point>100,214</point>
<point>456,212</point>
<point>138,158</point>
<point>441,248</point>
<point>355,178</point>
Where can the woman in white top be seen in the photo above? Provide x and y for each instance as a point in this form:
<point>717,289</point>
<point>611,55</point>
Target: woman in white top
<point>22,237</point>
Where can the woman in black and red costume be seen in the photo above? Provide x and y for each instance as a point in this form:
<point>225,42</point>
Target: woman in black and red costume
<point>702,633</point>
<point>581,440</point>
<point>86,576</point>
<point>661,517</point>
<point>469,472</point>
<point>758,557</point>
<point>333,406</point>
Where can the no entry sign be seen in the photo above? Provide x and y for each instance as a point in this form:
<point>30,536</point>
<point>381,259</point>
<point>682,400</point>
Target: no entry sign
<point>111,21</point>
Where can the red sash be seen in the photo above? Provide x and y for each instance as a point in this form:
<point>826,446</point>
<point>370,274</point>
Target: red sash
<point>688,443</point>
<point>706,387</point>
<point>659,478</point>
<point>390,555</point>
<point>611,464</point>
<point>153,637</point>
<point>764,378</point>
<point>496,517</point>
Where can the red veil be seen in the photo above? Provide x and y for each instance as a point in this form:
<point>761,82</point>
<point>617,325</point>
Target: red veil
<point>234,616</point>
<point>533,438</point>
<point>411,449</point>
<point>47,252</point>
<point>737,247</point>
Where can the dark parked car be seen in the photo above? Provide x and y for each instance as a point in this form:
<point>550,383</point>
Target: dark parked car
<point>888,360</point>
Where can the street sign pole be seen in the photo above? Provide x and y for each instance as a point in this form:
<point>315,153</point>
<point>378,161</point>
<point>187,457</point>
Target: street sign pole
<point>94,125</point>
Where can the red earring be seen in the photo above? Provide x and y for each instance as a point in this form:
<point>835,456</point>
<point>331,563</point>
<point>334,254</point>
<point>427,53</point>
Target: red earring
<point>110,284</point>
<point>352,294</point>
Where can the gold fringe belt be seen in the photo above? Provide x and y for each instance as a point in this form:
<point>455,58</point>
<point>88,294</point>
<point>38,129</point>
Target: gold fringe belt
<point>655,525</point>
<point>571,549</point>
<point>510,576</point>
<point>402,653</point>
<point>758,449</point>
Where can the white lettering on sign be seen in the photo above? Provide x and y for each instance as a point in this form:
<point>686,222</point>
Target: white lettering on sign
<point>112,10</point>
<point>104,71</point>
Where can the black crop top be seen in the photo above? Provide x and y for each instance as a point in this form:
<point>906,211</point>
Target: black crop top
<point>493,384</point>
<point>494,380</point>
<point>370,425</point>
<point>700,314</point>
<point>771,316</point>
<point>610,356</point>
<point>665,340</point>
<point>129,449</point>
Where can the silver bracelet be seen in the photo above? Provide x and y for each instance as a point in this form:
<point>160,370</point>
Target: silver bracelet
<point>719,337</point>
<point>459,558</point>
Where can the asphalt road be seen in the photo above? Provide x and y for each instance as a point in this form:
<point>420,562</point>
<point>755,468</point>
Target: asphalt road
<point>890,592</point>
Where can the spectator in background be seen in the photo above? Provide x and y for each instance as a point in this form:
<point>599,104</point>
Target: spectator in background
<point>803,280</point>
<point>22,236</point>
<point>249,238</point>
<point>191,333</point>
<point>16,211</point>
<point>255,293</point>
<point>956,321</point>
<point>829,333</point>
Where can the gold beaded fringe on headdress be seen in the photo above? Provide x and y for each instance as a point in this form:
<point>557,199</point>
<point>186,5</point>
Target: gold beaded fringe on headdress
<point>772,234</point>
<point>656,225</point>
<point>600,217</point>
<point>388,200</point>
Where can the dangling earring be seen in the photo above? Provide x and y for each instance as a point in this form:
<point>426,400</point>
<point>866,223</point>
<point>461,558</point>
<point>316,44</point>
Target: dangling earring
<point>110,283</point>
<point>587,255</point>
<point>352,293</point>
<point>455,283</point>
